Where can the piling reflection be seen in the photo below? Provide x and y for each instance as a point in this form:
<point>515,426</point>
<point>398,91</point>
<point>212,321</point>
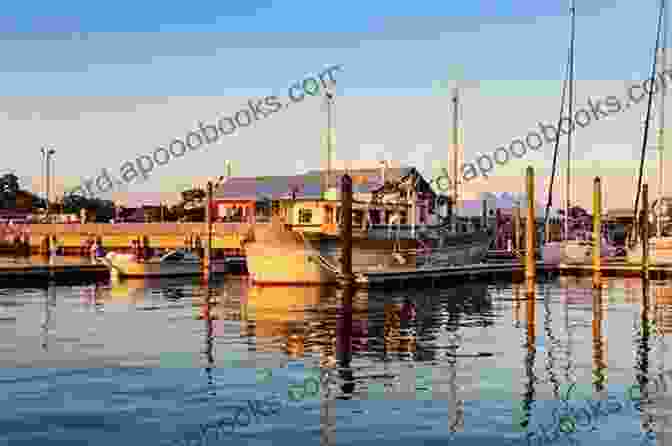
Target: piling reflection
<point>529,394</point>
<point>599,362</point>
<point>48,316</point>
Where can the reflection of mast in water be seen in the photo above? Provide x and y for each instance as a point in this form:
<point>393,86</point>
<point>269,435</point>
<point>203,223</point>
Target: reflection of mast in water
<point>456,406</point>
<point>552,345</point>
<point>49,302</point>
<point>642,359</point>
<point>207,316</point>
<point>570,365</point>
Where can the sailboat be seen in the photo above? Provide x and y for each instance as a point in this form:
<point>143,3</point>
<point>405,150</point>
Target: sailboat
<point>279,255</point>
<point>576,245</point>
<point>660,246</point>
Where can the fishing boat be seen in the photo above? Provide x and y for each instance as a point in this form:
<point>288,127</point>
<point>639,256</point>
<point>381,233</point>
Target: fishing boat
<point>173,263</point>
<point>281,253</point>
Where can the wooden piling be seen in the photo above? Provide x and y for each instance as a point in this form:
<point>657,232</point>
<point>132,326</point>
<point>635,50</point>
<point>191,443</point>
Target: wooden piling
<point>645,230</point>
<point>208,221</point>
<point>530,236</point>
<point>346,215</point>
<point>597,232</point>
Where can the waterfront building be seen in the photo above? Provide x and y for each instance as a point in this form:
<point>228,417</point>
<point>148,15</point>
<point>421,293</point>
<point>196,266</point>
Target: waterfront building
<point>304,204</point>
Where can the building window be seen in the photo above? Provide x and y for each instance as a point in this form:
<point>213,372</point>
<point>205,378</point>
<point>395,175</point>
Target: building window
<point>305,216</point>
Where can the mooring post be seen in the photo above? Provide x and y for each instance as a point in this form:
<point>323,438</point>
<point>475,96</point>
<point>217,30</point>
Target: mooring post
<point>346,214</point>
<point>597,231</point>
<point>645,230</point>
<point>208,220</point>
<point>531,262</point>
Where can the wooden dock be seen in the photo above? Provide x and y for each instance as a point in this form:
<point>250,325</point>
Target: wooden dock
<point>429,276</point>
<point>27,273</point>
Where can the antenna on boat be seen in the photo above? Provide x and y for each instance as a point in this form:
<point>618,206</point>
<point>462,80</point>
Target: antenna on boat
<point>329,96</point>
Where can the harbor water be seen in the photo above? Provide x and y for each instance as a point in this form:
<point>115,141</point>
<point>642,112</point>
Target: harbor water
<point>178,361</point>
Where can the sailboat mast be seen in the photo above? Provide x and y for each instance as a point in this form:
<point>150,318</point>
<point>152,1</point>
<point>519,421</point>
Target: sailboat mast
<point>454,172</point>
<point>571,126</point>
<point>661,129</point>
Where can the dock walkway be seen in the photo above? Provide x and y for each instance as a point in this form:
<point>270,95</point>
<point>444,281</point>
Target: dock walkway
<point>37,268</point>
<point>397,275</point>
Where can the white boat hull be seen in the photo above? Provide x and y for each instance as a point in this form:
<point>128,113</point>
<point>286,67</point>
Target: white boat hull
<point>571,252</point>
<point>124,266</point>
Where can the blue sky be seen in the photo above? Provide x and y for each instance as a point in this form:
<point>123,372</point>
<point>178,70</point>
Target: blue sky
<point>106,82</point>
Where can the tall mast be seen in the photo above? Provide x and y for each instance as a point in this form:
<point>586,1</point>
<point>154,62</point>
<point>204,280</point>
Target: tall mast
<point>329,97</point>
<point>571,126</point>
<point>661,129</point>
<point>453,155</point>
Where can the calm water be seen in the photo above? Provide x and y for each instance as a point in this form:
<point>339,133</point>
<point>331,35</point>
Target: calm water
<point>151,362</point>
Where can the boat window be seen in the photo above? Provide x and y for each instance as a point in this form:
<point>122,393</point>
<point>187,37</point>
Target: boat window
<point>305,216</point>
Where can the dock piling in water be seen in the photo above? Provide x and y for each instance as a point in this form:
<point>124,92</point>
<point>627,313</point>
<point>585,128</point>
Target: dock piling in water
<point>530,251</point>
<point>597,231</point>
<point>208,221</point>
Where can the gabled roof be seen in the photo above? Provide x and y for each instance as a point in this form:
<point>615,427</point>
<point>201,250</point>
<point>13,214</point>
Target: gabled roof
<point>268,188</point>
<point>307,186</point>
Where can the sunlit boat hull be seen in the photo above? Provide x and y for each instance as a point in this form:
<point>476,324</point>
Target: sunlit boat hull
<point>285,266</point>
<point>660,252</point>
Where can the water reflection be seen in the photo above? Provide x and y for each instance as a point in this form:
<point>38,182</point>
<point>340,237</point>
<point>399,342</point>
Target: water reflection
<point>375,344</point>
<point>47,320</point>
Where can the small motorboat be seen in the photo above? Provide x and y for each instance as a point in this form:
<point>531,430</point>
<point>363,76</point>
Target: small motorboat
<point>173,263</point>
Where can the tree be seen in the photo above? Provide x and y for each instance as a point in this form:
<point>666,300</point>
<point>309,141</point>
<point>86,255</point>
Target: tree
<point>9,184</point>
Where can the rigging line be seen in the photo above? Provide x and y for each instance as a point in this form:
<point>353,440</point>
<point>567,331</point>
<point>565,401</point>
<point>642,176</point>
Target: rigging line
<point>648,114</point>
<point>571,115</point>
<point>549,202</point>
